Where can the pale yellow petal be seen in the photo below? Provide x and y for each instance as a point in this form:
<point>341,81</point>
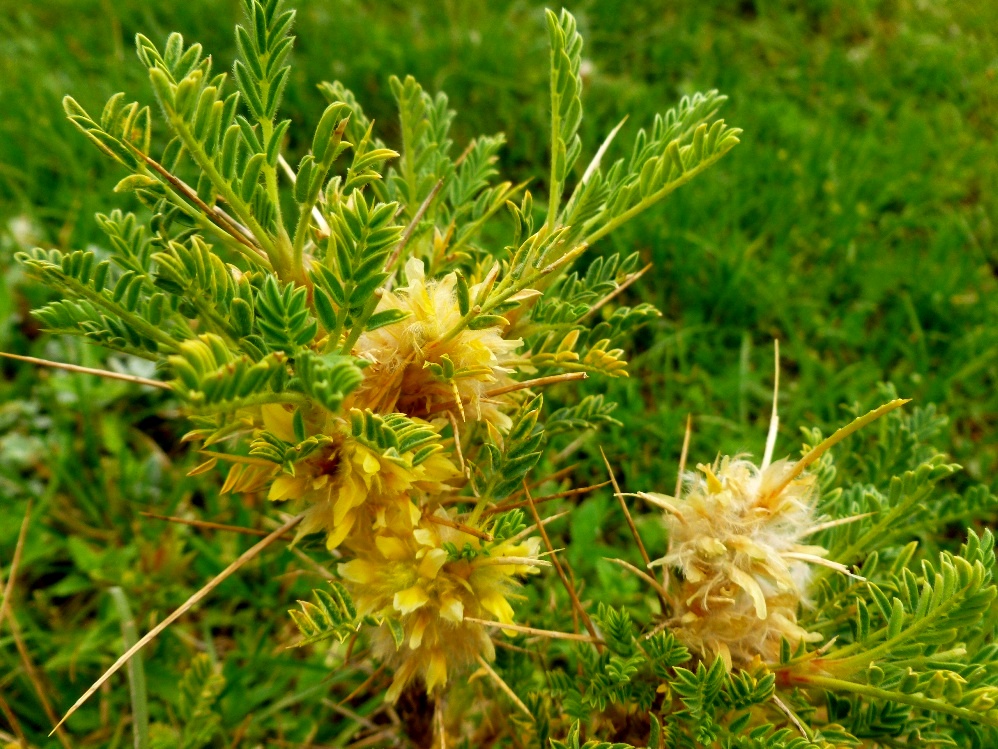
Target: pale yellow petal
<point>414,270</point>
<point>452,609</point>
<point>410,599</point>
<point>284,487</point>
<point>358,571</point>
<point>712,547</point>
<point>497,604</point>
<point>432,562</point>
<point>424,537</point>
<point>724,652</point>
<point>370,464</point>
<point>392,548</point>
<point>416,636</point>
<point>714,486</point>
<point>351,493</point>
<point>279,421</point>
<point>414,514</point>
<point>403,675</point>
<point>749,584</point>
<point>340,531</point>
<point>436,671</point>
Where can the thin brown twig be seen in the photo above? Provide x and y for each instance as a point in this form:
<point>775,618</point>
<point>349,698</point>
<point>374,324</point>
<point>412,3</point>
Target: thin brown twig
<point>662,598</point>
<point>211,526</point>
<point>510,646</point>
<point>218,217</point>
<point>411,228</point>
<point>7,613</point>
<point>627,512</point>
<point>791,715</point>
<point>556,476</point>
<point>549,633</point>
<point>504,686</point>
<point>293,744</point>
<point>627,282</point>
<point>455,500</point>
<point>367,682</point>
<point>393,716</point>
<point>561,571</point>
<point>243,558</point>
<point>317,568</point>
<point>388,733</point>
<point>569,449</point>
<point>237,735</point>
<point>840,434</point>
<point>459,527</point>
<point>546,498</point>
<point>531,528</point>
<point>347,712</point>
<point>484,561</point>
<point>537,382</point>
<point>835,523</point>
<point>15,725</point>
<point>656,629</point>
<point>438,722</point>
<point>35,678</point>
<point>89,370</point>
<point>350,646</point>
<point>655,584</point>
<point>467,149</point>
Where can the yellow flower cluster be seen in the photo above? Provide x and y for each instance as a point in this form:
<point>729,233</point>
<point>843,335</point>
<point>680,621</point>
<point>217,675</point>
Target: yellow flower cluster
<point>343,481</point>
<point>736,542</point>
<point>430,580</point>
<point>413,565</point>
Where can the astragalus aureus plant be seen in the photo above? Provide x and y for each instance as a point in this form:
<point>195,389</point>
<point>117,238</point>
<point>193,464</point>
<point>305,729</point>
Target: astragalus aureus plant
<point>362,331</point>
<point>365,336</point>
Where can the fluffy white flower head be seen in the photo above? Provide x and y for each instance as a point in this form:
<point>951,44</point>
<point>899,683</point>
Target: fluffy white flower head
<point>736,540</point>
<point>738,559</point>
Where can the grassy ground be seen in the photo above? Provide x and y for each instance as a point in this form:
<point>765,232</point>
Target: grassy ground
<point>855,223</point>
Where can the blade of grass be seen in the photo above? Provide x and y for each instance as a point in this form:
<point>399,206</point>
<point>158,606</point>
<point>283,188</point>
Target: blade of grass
<point>245,557</point>
<point>8,588</point>
<point>136,671</point>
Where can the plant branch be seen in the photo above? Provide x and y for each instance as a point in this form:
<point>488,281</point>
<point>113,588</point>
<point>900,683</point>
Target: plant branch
<point>914,700</point>
<point>654,198</point>
<point>561,572</point>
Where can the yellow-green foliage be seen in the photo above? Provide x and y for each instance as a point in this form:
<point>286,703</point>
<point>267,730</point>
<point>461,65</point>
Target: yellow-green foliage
<point>363,338</point>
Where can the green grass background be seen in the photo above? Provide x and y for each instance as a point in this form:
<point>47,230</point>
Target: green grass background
<point>855,222</point>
